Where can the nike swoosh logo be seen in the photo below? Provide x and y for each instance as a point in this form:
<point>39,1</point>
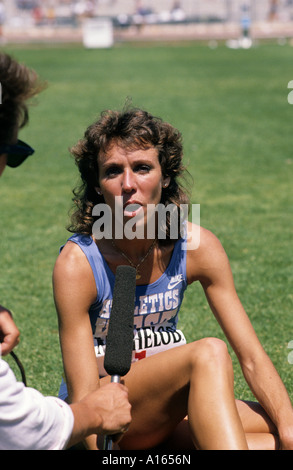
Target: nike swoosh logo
<point>174,282</point>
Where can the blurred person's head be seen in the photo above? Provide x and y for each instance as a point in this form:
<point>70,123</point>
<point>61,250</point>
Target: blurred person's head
<point>18,84</point>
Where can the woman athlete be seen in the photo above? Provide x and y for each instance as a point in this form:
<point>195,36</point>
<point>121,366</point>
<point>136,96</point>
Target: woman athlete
<point>181,394</point>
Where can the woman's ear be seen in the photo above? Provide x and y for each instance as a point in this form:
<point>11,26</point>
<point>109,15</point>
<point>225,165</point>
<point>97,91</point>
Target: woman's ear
<point>166,182</point>
<point>98,191</point>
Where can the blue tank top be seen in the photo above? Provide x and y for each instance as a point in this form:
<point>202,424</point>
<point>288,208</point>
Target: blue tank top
<point>156,305</point>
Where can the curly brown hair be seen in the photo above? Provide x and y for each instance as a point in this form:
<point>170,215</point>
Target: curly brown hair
<point>132,129</point>
<point>18,85</point>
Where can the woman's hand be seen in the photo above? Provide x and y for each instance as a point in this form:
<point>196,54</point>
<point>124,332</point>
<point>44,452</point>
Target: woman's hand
<point>286,436</point>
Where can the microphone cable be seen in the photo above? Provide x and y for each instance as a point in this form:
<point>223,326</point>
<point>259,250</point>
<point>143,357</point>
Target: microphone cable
<point>20,366</point>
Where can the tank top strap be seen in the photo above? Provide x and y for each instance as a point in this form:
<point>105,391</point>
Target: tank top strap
<point>101,271</point>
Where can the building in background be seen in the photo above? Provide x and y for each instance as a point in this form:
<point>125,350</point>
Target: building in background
<point>202,10</point>
<point>140,14</point>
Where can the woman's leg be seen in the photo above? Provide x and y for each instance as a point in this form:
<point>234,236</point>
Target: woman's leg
<point>194,380</point>
<point>259,430</point>
<point>212,413</point>
<point>180,440</point>
<point>262,441</point>
<point>261,433</point>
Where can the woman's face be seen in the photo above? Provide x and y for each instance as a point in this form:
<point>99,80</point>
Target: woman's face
<point>132,177</point>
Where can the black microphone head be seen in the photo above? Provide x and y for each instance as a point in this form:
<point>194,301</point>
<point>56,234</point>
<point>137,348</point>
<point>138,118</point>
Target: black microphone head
<point>120,332</point>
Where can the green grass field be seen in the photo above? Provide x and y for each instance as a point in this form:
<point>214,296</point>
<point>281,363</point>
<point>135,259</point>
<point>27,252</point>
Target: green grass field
<point>232,109</point>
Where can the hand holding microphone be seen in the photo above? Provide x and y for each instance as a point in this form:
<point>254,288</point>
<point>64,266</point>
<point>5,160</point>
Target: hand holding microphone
<point>120,333</point>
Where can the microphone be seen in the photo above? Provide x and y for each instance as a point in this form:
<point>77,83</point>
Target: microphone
<point>118,354</point>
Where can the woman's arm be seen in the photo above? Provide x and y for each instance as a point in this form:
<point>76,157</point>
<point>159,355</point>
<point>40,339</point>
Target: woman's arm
<point>74,292</point>
<point>216,278</point>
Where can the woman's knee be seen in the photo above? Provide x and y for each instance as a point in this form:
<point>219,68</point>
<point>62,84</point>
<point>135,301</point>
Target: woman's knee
<point>210,353</point>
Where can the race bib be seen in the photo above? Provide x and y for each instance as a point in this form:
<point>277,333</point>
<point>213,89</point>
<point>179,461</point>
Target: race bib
<point>146,343</point>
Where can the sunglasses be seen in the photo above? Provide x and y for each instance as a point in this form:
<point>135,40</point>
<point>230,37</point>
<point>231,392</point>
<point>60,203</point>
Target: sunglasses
<point>16,154</point>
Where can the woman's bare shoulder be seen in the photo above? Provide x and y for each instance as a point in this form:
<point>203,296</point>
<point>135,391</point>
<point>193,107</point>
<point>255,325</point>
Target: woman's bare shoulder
<point>73,277</point>
<point>72,262</point>
<point>204,255</point>
<point>200,238</point>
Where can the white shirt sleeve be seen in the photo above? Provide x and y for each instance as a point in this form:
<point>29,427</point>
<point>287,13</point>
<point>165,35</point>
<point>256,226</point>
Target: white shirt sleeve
<point>28,420</point>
